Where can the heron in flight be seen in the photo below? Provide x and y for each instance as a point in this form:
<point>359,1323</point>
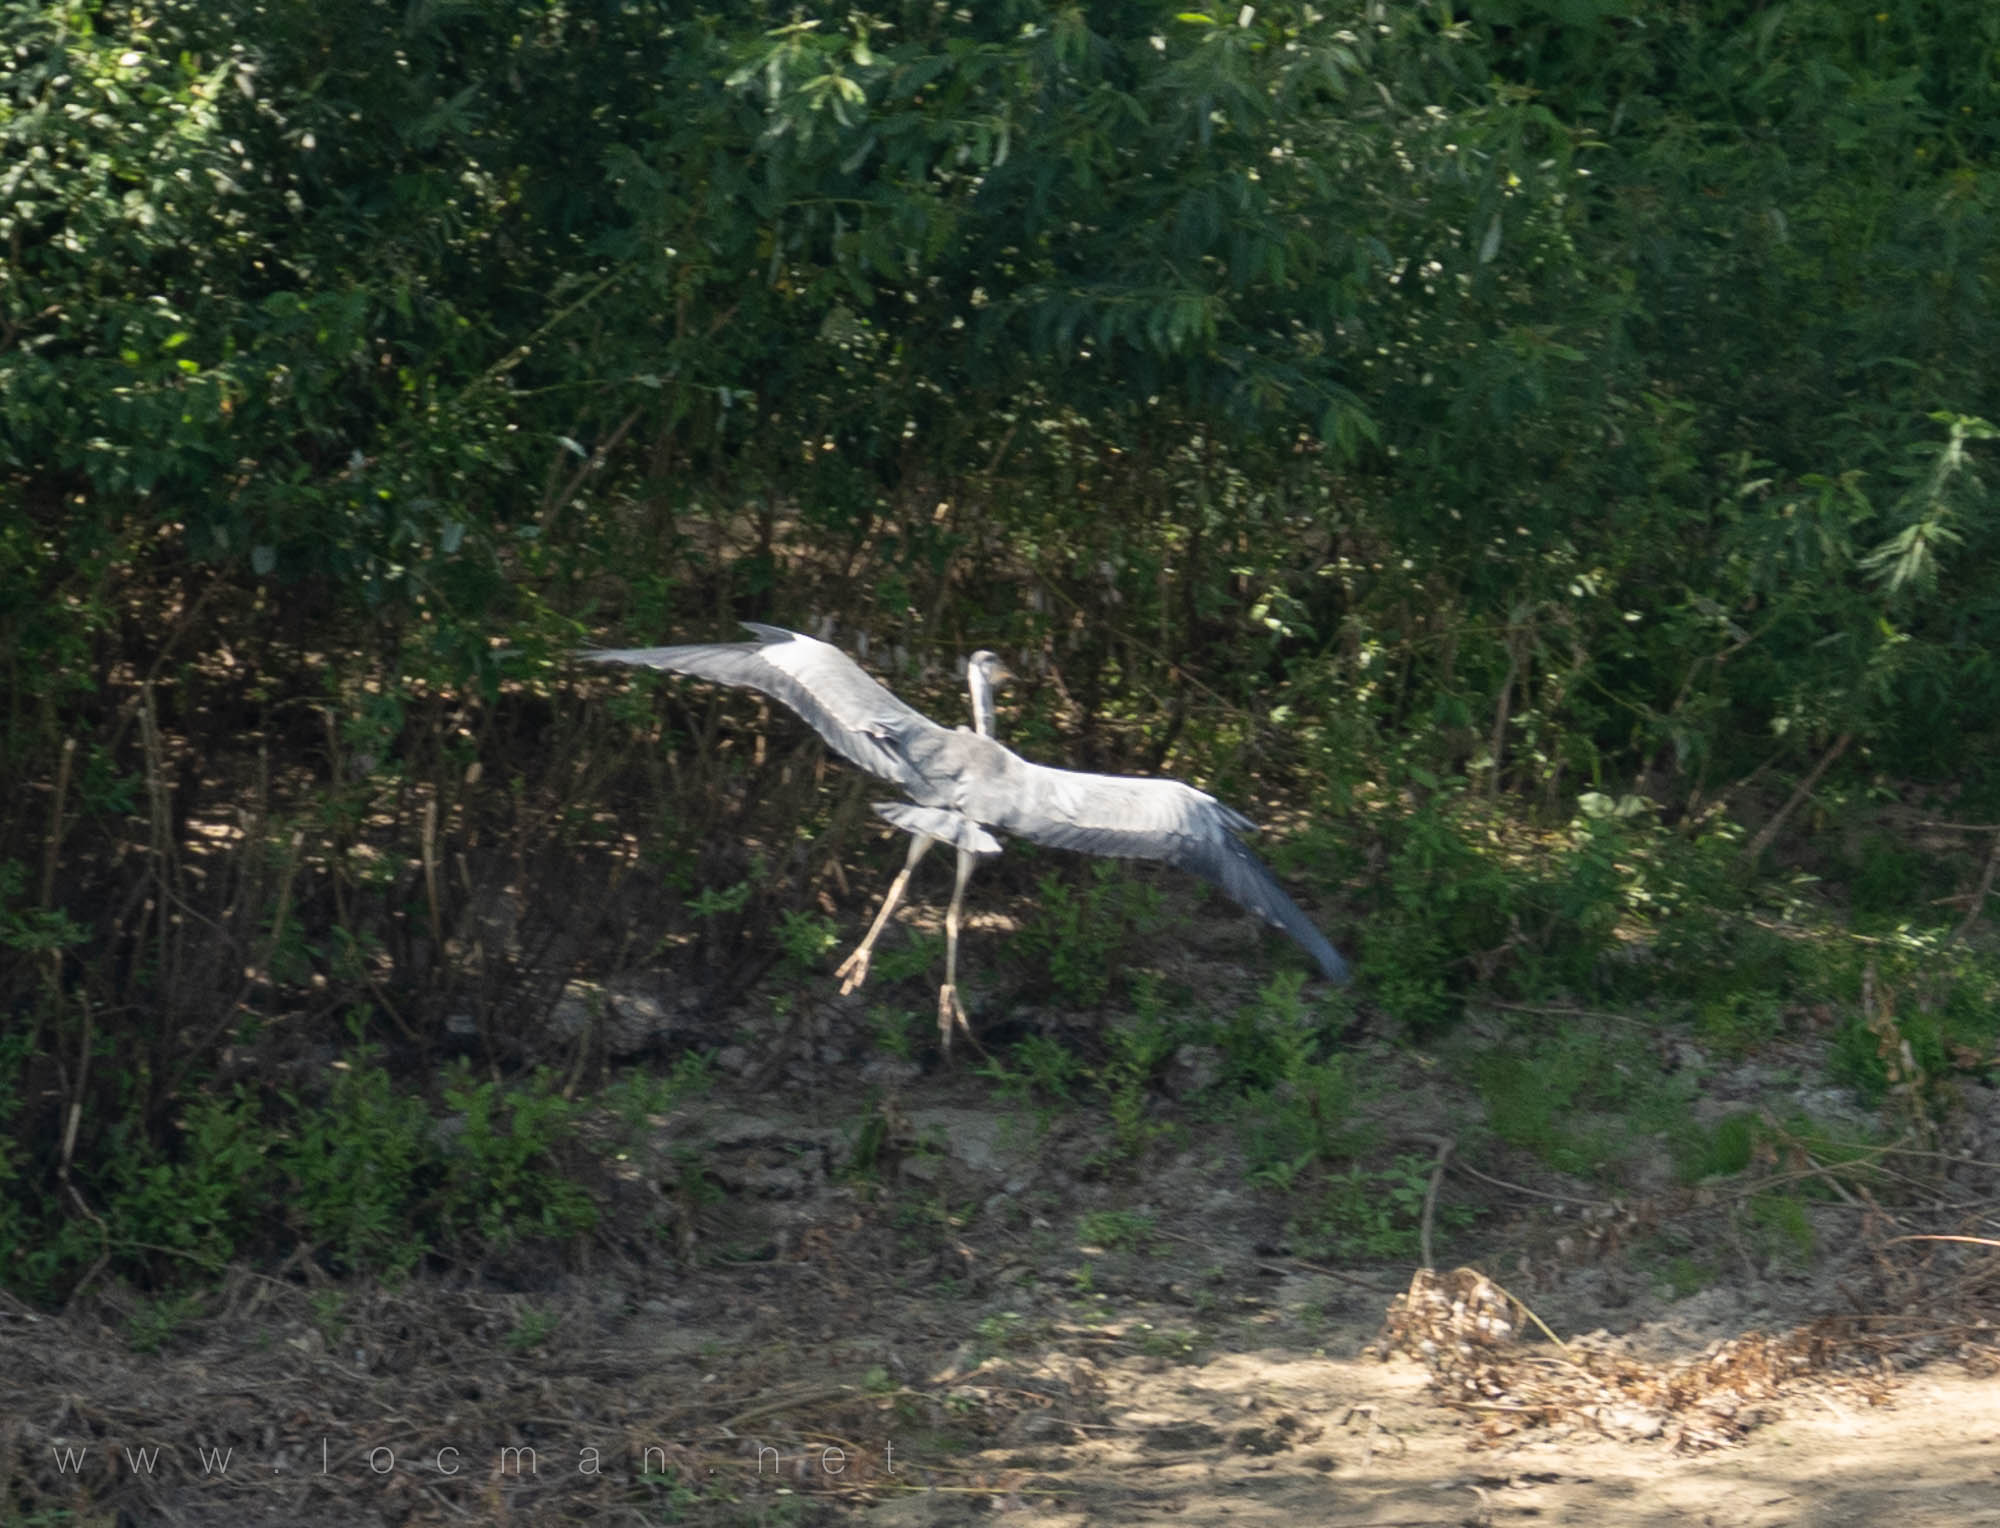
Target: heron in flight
<point>961,783</point>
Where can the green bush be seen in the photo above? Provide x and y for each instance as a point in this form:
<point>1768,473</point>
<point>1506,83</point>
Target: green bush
<point>1474,899</point>
<point>1581,1097</point>
<point>369,1179</point>
<point>357,1169</point>
<point>1080,936</point>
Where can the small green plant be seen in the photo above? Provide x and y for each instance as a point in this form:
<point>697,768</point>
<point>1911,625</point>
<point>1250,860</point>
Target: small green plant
<point>375,1181</point>
<point>918,954</point>
<point>693,1184</point>
<point>500,1177</point>
<point>47,1517</point>
<point>1283,1174</point>
<point>1888,880</point>
<point>1267,1041</point>
<point>102,790</point>
<point>1046,1066</point>
<point>997,1333</point>
<point>1737,1023</point>
<point>355,1167</point>
<point>640,1100</point>
<point>1721,1151</point>
<point>1038,1084</point>
<point>893,1030</point>
<point>1471,895</point>
<point>365,1177</point>
<point>1134,1053</point>
<point>672,1496</point>
<point>804,939</point>
<point>1177,1344</point>
<point>1375,1214</point>
<point>154,1323</point>
<point>329,1310</point>
<point>874,1137</point>
<point>925,1225</point>
<point>1536,1106</point>
<point>1447,899</point>
<point>1687,1277</point>
<point>1787,1230</point>
<point>32,930</point>
<point>713,903</point>
<point>1934,1014</point>
<point>533,1329</point>
<point>1116,1230</point>
<point>1303,1122</point>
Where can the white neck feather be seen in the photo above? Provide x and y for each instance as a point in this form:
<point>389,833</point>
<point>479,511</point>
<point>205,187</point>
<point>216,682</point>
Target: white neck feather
<point>982,700</point>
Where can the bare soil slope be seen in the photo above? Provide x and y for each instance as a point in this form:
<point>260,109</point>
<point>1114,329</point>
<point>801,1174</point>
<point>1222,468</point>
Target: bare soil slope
<point>988,1326</point>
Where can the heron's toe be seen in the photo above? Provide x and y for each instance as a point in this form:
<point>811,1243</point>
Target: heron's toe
<point>951,1014</point>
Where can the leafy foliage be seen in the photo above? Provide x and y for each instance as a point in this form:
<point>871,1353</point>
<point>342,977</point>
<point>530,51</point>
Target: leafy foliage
<point>1534,441</point>
<point>369,1178</point>
<point>1080,935</point>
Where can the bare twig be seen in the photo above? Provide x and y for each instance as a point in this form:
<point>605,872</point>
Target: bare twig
<point>807,1397</point>
<point>1562,1012</point>
<point>431,874</point>
<point>75,1112</point>
<point>1504,707</point>
<point>54,843</point>
<point>1767,834</point>
<point>1444,1150</point>
<point>591,463</point>
<point>284,904</point>
<point>164,855</point>
<point>1522,1188</point>
<point>1977,1241</point>
<point>1545,1329</point>
<point>1986,876</point>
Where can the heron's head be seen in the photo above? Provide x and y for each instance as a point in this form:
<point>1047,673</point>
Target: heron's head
<point>989,667</point>
<point>984,674</point>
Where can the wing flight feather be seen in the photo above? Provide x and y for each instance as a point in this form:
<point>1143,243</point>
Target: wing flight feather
<point>1135,818</point>
<point>860,720</point>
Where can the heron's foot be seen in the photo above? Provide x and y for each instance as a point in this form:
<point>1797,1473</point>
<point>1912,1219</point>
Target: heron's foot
<point>951,1014</point>
<point>853,970</point>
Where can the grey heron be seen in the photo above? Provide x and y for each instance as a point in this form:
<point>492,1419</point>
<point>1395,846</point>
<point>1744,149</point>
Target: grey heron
<point>961,783</point>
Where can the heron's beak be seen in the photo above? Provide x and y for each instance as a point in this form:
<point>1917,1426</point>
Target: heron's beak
<point>999,673</point>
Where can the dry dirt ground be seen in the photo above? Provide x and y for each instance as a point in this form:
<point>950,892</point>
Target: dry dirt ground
<point>1000,1320</point>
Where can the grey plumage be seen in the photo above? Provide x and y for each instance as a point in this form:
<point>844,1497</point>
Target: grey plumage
<point>855,715</point>
<point>963,783</point>
<point>946,827</point>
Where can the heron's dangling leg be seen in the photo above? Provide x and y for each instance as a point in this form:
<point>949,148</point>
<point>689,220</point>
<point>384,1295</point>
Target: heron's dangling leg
<point>854,970</point>
<point>950,1010</point>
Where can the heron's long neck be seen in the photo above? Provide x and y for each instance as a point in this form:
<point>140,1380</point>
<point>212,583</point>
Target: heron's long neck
<point>982,701</point>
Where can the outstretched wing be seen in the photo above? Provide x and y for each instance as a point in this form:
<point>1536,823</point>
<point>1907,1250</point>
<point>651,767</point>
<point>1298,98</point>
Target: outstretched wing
<point>1127,818</point>
<point>860,720</point>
